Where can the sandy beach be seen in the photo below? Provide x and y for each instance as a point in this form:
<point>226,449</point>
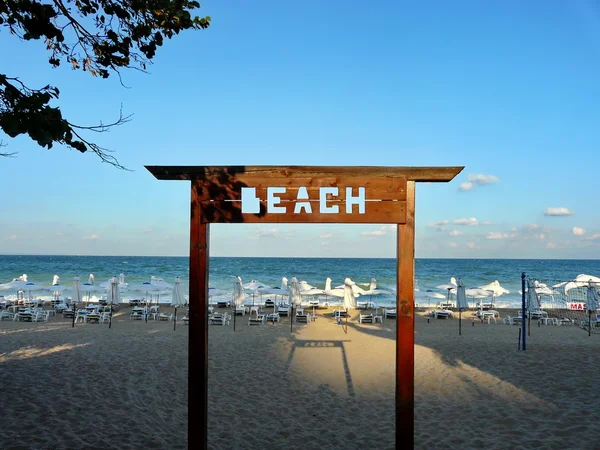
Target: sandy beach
<point>317,387</point>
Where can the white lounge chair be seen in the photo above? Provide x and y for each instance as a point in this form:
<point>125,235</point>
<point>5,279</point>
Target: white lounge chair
<point>6,314</point>
<point>257,318</point>
<point>219,319</point>
<point>40,316</point>
<point>283,310</point>
<point>366,318</point>
<point>389,313</point>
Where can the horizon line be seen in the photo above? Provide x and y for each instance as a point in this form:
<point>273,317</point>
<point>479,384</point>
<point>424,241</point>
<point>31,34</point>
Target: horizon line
<point>297,257</point>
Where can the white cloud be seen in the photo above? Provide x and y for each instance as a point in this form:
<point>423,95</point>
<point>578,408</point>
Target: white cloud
<point>558,212</point>
<point>12,237</point>
<point>381,231</point>
<point>470,221</point>
<point>466,186</point>
<point>550,245</point>
<point>487,222</point>
<point>92,237</point>
<point>531,226</point>
<point>495,236</point>
<point>471,245</point>
<point>440,225</point>
<point>477,180</point>
<point>578,231</point>
<point>266,233</point>
<point>455,233</point>
<point>148,230</point>
<point>540,236</point>
<point>326,236</point>
<point>453,244</point>
<point>374,233</point>
<point>594,237</point>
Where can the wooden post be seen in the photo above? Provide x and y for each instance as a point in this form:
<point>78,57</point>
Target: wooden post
<point>405,326</point>
<point>198,328</point>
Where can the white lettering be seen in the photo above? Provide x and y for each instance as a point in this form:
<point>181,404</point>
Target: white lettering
<point>323,208</point>
<point>358,200</point>
<point>250,203</point>
<point>302,195</point>
<point>272,200</point>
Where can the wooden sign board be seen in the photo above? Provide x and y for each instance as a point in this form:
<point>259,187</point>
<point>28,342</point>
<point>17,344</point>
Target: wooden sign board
<point>301,194</point>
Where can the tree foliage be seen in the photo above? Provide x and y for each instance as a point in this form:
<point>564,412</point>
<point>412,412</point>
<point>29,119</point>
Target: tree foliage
<point>101,37</point>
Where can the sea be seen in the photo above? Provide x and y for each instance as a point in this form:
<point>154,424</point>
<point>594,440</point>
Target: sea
<point>429,273</point>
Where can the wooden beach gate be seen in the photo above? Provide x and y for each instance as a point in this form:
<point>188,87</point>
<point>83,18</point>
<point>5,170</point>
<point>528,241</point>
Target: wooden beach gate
<point>299,194</point>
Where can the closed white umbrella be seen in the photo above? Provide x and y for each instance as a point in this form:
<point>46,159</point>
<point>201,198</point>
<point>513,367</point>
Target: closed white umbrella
<point>295,298</point>
<point>349,296</point>
<point>533,303</point>
<point>76,296</point>
<point>461,303</point>
<point>113,297</point>
<point>238,297</point>
<point>177,299</point>
<point>91,279</point>
<point>591,303</point>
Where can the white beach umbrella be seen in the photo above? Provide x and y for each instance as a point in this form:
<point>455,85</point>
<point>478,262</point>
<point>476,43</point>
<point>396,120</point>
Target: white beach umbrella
<point>238,297</point>
<point>477,293</point>
<point>177,299</point>
<point>587,279</point>
<point>76,296</point>
<point>495,287</point>
<point>113,295</point>
<point>253,286</point>
<point>461,296</point>
<point>336,292</point>
<point>87,288</point>
<point>13,285</point>
<point>294,295</point>
<point>295,298</point>
<point>375,291</point>
<point>349,296</point>
<point>461,302</point>
<point>57,289</point>
<point>428,294</point>
<point>533,303</point>
<point>591,301</point>
<point>147,287</point>
<point>450,288</point>
<point>32,287</point>
<point>214,292</point>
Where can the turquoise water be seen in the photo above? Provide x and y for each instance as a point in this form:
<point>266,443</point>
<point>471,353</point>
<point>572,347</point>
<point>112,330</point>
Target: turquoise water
<point>429,272</point>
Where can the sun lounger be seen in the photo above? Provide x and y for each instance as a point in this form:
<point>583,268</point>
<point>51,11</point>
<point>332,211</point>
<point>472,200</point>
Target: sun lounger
<point>219,319</point>
<point>302,318</point>
<point>366,318</point>
<point>257,319</point>
<point>389,313</point>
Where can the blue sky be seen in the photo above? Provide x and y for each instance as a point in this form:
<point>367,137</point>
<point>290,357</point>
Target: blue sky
<point>508,89</point>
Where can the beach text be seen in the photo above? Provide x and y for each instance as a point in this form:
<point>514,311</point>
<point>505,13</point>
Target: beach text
<point>328,201</point>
